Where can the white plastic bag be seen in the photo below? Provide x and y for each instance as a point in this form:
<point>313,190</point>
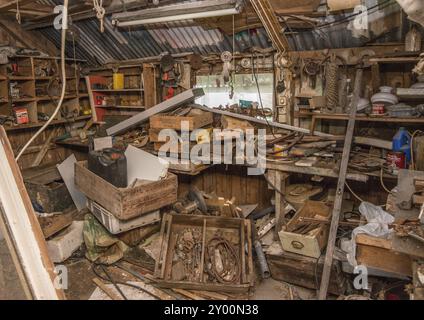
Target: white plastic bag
<point>377,226</point>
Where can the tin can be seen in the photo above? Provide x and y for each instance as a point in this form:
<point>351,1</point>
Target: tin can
<point>378,108</point>
<point>396,160</point>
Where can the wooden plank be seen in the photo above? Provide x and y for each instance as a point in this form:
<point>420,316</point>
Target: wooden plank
<point>111,294</point>
<point>272,25</point>
<point>263,122</point>
<point>188,294</point>
<point>53,224</point>
<point>384,260</point>
<point>184,97</point>
<point>175,122</point>
<point>45,147</point>
<point>149,85</point>
<point>340,190</point>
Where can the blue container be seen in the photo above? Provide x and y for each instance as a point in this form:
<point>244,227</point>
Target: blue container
<point>402,143</point>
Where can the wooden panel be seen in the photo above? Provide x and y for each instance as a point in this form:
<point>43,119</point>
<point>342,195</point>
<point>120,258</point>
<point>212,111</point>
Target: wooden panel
<point>229,181</point>
<point>384,259</point>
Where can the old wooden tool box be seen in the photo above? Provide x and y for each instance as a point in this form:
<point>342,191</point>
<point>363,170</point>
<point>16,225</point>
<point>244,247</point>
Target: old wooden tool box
<point>303,271</point>
<point>185,259</point>
<point>45,187</point>
<point>126,203</point>
<point>305,237</point>
<point>195,121</point>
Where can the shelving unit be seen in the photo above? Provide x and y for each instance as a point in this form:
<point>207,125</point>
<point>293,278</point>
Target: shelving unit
<point>38,85</point>
<point>105,100</point>
<point>407,95</point>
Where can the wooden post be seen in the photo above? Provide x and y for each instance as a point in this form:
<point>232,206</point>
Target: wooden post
<point>340,189</point>
<point>280,203</point>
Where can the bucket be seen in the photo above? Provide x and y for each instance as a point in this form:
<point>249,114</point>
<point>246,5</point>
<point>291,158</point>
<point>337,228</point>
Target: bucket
<point>118,81</point>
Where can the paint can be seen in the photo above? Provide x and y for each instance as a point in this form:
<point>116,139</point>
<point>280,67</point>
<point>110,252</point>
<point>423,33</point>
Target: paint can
<point>396,160</point>
<point>118,81</point>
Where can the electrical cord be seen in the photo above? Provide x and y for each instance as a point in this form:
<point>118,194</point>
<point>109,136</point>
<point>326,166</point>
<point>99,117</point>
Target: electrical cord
<point>62,96</point>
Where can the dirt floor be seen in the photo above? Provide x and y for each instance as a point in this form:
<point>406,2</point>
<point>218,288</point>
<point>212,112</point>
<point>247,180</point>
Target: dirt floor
<point>81,287</point>
<point>10,287</point>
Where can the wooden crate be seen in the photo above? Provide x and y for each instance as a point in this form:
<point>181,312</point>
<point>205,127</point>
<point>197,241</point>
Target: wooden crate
<point>238,230</point>
<point>305,271</point>
<point>195,121</point>
<point>126,203</point>
<point>313,242</point>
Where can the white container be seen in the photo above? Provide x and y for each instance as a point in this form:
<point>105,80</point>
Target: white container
<point>385,96</point>
<point>114,225</point>
<point>66,242</point>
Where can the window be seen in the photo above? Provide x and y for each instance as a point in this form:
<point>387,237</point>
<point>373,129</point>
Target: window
<point>217,93</point>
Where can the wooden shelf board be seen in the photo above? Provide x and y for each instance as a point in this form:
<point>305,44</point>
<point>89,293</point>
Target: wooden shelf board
<point>122,107</point>
<point>47,98</point>
<point>23,100</point>
<point>358,118</point>
<point>21,78</point>
<point>40,124</point>
<point>395,60</point>
<point>118,90</point>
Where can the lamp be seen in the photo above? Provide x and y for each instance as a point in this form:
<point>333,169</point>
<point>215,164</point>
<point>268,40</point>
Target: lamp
<point>184,11</point>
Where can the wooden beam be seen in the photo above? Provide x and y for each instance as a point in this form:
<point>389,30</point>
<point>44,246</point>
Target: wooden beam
<point>331,243</point>
<point>31,40</point>
<point>272,25</point>
<point>6,6</point>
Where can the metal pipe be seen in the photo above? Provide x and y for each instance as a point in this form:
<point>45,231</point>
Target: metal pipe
<point>263,264</point>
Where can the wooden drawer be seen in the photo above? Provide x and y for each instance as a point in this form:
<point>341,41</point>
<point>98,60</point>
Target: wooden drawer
<point>126,203</point>
<point>308,243</point>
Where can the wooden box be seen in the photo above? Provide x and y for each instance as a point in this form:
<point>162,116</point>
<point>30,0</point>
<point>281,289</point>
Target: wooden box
<point>126,203</point>
<point>195,121</point>
<point>311,242</point>
<point>304,271</point>
<point>237,231</point>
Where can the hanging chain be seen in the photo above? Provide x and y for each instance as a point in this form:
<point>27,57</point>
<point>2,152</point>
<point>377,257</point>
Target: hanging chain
<point>100,13</point>
<point>18,12</point>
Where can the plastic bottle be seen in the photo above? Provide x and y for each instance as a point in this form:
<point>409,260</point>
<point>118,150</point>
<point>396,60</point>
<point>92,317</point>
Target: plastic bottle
<point>402,143</point>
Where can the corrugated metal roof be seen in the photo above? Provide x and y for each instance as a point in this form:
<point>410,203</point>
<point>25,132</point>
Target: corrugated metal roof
<point>177,37</point>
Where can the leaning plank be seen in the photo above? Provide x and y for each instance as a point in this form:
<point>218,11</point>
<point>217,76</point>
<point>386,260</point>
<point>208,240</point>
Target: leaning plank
<point>164,106</point>
<point>328,262</point>
<point>45,147</point>
<point>263,122</point>
<point>22,228</point>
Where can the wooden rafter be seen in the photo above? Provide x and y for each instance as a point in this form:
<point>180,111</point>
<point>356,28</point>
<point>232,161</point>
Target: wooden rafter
<point>272,25</point>
<point>29,39</point>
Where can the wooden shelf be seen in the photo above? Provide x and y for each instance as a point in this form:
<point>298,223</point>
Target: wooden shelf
<point>122,107</point>
<point>47,98</point>
<point>40,124</point>
<point>395,60</point>
<point>22,100</point>
<point>336,116</point>
<point>118,90</point>
<point>21,78</point>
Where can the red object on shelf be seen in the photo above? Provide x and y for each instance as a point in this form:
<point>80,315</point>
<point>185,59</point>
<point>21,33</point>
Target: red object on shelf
<point>21,115</point>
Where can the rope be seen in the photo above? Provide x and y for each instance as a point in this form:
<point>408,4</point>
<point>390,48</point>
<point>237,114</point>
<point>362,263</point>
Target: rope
<point>100,13</point>
<point>18,12</point>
